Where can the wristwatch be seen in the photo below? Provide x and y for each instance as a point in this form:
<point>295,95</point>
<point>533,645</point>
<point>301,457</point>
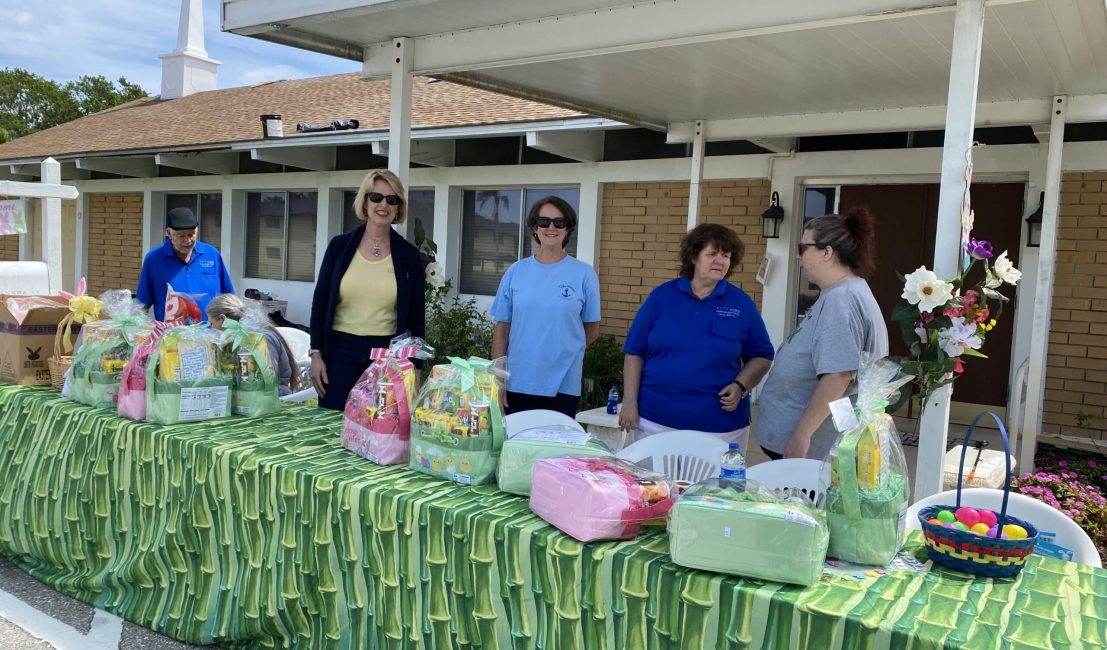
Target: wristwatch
<point>745,391</point>
<point>312,353</point>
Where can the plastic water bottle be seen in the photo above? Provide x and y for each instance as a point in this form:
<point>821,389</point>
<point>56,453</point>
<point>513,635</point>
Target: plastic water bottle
<point>733,464</point>
<point>613,400</point>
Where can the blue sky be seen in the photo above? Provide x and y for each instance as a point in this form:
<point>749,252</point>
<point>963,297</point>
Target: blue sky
<point>65,39</point>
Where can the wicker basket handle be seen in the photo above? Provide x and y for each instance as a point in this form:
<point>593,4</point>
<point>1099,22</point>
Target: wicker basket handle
<point>1006,459</point>
<point>59,337</point>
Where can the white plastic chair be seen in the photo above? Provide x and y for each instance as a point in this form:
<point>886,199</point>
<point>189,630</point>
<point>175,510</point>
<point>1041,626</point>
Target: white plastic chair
<point>522,420</point>
<point>302,396</point>
<point>792,477</point>
<point>681,455</point>
<point>299,341</point>
<point>1045,517</point>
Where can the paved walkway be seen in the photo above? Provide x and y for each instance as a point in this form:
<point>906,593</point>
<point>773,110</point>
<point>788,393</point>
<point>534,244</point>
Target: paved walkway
<point>35,617</point>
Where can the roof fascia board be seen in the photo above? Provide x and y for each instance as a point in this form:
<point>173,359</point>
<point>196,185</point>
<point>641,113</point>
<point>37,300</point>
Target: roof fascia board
<point>319,159</point>
<point>242,17</point>
<point>1085,108</point>
<point>634,27</point>
<point>135,166</point>
<point>339,138</point>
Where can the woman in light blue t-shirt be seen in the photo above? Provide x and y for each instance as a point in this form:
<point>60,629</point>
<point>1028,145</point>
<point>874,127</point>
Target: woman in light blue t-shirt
<point>547,310</point>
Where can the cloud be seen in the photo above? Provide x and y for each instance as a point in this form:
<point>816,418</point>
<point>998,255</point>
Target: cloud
<point>123,38</point>
<point>20,19</point>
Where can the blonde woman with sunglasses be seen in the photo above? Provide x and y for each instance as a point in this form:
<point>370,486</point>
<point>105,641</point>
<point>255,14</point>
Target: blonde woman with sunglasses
<point>547,310</point>
<point>370,287</point>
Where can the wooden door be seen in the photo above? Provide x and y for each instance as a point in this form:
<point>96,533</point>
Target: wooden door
<point>907,217</point>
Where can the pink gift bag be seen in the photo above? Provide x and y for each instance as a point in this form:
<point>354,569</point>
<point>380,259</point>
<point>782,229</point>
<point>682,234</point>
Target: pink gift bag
<point>378,411</point>
<point>597,498</point>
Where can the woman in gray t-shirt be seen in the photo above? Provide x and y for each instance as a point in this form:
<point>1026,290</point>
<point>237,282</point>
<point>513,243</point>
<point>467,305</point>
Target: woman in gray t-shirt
<point>819,360</point>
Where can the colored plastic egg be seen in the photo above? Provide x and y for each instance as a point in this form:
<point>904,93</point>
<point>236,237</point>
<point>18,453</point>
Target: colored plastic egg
<point>992,532</point>
<point>1014,531</point>
<point>987,517</point>
<point>948,524</point>
<point>967,516</point>
<point>960,525</point>
<point>933,521</point>
<point>979,528</point>
<point>946,517</point>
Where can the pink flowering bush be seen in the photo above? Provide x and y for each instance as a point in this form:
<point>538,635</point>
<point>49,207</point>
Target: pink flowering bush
<point>1071,486</point>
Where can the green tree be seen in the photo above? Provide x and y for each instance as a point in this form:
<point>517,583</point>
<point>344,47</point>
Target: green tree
<point>30,103</point>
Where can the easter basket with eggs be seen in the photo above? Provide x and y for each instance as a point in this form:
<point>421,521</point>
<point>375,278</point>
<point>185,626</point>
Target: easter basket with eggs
<point>979,542</point>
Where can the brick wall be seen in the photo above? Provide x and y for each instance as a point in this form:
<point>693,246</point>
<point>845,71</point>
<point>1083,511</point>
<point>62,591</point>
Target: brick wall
<point>640,229</point>
<point>114,241</point>
<point>1076,372</point>
<point>9,248</point>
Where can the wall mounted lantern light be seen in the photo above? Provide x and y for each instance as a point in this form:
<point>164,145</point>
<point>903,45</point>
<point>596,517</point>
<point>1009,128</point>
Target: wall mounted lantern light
<point>771,218</point>
<point>1034,225</point>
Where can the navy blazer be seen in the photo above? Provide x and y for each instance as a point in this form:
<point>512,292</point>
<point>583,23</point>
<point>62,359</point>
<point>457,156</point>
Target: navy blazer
<point>410,284</point>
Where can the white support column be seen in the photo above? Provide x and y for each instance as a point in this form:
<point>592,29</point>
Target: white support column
<point>964,74</point>
<point>51,225</point>
<point>588,222</point>
<point>1043,293</point>
<point>399,120</point>
<point>325,213</point>
<point>80,261</point>
<point>696,180</point>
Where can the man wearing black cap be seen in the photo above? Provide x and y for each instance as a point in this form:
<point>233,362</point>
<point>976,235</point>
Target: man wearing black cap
<point>183,262</point>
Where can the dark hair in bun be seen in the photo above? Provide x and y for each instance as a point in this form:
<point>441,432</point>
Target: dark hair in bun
<point>852,236</point>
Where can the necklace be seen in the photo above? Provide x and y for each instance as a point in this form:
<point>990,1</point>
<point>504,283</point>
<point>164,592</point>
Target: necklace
<point>376,252</point>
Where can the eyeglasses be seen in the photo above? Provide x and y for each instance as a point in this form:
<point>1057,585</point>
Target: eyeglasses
<point>561,223</point>
<point>390,199</point>
<point>802,247</point>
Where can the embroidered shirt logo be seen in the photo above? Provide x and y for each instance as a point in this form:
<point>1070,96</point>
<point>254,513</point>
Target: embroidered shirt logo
<point>565,291</point>
<point>207,264</point>
<point>728,312</point>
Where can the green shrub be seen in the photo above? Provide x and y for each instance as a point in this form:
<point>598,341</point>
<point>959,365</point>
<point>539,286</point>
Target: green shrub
<point>455,327</point>
<point>603,368</point>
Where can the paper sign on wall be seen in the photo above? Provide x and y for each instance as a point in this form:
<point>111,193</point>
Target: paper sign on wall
<point>12,219</point>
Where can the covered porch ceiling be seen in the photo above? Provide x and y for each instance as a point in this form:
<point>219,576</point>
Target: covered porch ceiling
<point>750,69</point>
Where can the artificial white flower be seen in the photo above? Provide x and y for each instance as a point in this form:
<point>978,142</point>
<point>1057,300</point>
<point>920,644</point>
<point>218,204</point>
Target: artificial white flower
<point>434,275</point>
<point>1005,270</point>
<point>924,289</point>
<point>959,336</point>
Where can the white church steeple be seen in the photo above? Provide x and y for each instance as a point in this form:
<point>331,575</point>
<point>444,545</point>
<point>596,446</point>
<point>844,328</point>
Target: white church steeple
<point>187,69</point>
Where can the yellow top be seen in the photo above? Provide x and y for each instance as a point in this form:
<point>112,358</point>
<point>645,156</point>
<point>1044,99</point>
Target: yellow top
<point>367,298</point>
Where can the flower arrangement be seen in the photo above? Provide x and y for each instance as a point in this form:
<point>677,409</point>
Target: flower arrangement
<point>943,321</point>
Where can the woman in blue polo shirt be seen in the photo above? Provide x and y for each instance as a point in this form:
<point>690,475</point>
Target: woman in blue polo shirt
<point>697,346</point>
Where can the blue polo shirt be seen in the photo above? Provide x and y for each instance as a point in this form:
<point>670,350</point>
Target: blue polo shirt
<point>692,349</point>
<point>205,276</point>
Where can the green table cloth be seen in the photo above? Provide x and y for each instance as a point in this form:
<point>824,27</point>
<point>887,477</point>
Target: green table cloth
<point>265,532</point>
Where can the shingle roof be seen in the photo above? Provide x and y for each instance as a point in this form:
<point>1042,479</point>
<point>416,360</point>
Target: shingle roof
<point>231,115</point>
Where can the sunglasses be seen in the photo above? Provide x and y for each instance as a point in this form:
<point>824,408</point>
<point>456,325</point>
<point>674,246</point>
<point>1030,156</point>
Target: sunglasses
<point>802,247</point>
<point>390,199</point>
<point>560,223</point>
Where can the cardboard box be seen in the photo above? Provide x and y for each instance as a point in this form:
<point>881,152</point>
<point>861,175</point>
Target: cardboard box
<point>28,325</point>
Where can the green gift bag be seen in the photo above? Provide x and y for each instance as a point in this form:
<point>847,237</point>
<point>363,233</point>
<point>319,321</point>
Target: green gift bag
<point>520,451</point>
<point>246,350</point>
<point>866,523</point>
<point>184,381</point>
<point>867,499</point>
<point>457,427</point>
